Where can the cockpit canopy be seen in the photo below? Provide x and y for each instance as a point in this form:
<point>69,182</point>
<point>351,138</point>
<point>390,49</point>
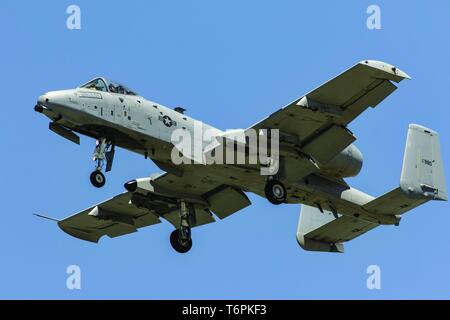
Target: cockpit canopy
<point>105,85</point>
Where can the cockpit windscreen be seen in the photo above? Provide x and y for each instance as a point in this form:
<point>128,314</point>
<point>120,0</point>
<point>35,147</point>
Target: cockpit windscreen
<point>102,84</point>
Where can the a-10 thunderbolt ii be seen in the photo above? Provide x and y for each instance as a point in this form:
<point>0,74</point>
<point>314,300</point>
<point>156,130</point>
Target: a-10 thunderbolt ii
<point>315,154</point>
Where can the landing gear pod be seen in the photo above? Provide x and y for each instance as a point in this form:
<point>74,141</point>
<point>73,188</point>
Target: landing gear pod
<point>275,192</point>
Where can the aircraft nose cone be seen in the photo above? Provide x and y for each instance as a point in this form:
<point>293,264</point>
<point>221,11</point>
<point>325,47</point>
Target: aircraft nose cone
<point>41,103</point>
<point>131,186</point>
<point>42,100</point>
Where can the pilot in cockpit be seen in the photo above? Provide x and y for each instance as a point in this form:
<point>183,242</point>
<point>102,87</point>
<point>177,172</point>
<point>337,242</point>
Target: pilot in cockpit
<point>120,89</point>
<point>93,86</point>
<point>96,85</point>
<point>112,88</point>
<point>101,84</point>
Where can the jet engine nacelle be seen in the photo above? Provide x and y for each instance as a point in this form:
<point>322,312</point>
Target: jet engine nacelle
<point>347,163</point>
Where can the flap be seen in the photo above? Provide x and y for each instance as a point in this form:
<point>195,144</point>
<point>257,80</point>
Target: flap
<point>227,200</point>
<point>327,145</point>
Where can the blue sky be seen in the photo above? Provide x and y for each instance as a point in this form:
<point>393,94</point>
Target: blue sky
<point>230,63</point>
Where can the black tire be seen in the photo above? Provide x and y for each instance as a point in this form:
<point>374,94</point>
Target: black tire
<point>275,192</point>
<point>176,243</point>
<point>98,179</point>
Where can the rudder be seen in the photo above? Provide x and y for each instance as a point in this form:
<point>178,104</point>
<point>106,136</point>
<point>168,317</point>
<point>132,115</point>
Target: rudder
<point>423,169</point>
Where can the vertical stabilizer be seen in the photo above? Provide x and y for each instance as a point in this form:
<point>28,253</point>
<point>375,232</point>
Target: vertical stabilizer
<point>423,169</point>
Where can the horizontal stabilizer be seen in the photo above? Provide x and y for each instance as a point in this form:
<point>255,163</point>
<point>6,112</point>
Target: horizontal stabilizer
<point>326,232</point>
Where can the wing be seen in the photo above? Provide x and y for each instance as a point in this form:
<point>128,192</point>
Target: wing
<point>114,217</point>
<point>223,200</point>
<point>325,231</point>
<point>129,211</point>
<point>317,121</point>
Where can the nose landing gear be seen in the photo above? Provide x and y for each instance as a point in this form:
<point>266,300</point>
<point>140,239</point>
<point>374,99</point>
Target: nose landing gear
<point>104,152</point>
<point>180,239</point>
<point>97,179</point>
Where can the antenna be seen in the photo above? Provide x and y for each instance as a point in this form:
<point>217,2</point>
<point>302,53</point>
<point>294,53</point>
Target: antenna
<point>180,110</point>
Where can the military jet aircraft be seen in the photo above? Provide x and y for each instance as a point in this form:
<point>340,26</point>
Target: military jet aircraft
<point>316,154</point>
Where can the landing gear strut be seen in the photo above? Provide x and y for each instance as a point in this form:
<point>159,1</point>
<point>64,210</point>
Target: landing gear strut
<point>180,239</point>
<point>275,191</point>
<point>104,152</point>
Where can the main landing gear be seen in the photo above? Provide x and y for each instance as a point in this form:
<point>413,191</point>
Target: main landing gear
<point>97,179</point>
<point>275,191</point>
<point>180,239</point>
<point>104,152</point>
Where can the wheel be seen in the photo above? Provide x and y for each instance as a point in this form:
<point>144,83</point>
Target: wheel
<point>97,179</point>
<point>179,245</point>
<point>275,192</point>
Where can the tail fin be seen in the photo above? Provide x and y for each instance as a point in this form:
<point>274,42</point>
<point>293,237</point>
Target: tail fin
<point>422,176</point>
<point>423,169</point>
